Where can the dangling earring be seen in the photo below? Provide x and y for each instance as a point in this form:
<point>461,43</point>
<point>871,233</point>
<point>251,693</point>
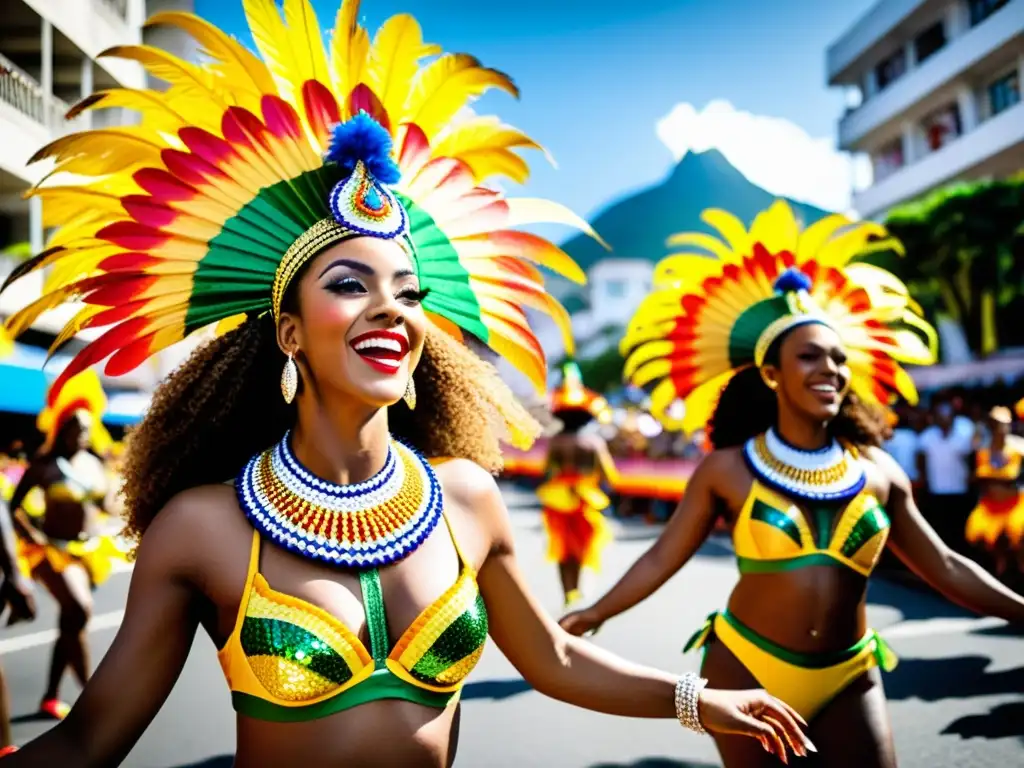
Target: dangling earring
<point>410,394</point>
<point>289,379</point>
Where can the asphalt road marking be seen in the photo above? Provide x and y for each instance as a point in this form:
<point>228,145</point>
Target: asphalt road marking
<point>928,627</point>
<point>110,620</point>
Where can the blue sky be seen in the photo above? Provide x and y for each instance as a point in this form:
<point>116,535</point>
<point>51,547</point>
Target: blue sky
<point>597,78</point>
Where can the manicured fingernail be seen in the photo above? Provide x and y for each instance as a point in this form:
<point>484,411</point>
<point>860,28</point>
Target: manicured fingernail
<point>810,745</point>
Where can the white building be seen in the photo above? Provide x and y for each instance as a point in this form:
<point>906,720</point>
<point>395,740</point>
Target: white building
<point>49,60</point>
<point>936,86</point>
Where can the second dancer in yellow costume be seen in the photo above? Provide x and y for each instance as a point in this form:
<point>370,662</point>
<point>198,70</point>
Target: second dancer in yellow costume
<point>782,345</point>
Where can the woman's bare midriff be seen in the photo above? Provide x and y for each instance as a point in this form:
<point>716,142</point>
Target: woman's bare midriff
<point>380,733</point>
<point>818,609</point>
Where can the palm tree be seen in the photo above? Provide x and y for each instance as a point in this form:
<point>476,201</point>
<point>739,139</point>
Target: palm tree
<point>964,247</point>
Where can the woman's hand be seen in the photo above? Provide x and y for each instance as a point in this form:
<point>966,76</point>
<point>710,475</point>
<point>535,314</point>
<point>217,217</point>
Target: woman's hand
<point>580,623</point>
<point>17,592</point>
<point>755,713</point>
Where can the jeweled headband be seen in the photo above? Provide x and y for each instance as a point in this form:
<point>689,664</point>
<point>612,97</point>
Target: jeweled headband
<point>361,203</point>
<point>249,164</point>
<point>710,316</point>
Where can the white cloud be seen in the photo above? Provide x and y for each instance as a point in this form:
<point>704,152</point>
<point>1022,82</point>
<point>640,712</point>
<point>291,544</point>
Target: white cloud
<point>772,152</point>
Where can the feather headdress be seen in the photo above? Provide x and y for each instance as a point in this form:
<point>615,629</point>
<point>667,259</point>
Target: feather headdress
<point>184,219</point>
<point>81,393</point>
<point>572,395</point>
<point>711,316</point>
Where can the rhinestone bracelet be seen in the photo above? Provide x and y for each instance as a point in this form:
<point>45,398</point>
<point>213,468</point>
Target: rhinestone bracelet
<point>688,689</point>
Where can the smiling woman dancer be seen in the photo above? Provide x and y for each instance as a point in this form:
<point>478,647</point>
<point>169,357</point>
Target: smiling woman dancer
<point>351,573</point>
<point>801,340</point>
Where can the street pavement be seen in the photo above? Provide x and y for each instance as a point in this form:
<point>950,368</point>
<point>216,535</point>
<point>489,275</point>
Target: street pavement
<point>957,697</point>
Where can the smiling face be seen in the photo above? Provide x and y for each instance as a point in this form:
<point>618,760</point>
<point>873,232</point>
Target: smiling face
<point>812,373</point>
<point>359,325</point>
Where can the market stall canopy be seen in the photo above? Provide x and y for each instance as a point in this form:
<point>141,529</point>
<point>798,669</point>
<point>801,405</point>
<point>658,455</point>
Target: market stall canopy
<point>23,385</point>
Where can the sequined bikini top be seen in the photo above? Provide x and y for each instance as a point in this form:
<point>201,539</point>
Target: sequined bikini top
<point>1003,467</point>
<point>772,533</point>
<point>287,660</point>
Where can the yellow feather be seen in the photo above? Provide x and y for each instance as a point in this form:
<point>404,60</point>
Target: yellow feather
<point>662,398</point>
<point>701,402</point>
<point>711,244</point>
<point>816,235</point>
<point>153,107</point>
<point>839,250</point>
<point>175,71</point>
<point>231,59</point>
<point>394,58</point>
<point>685,271</point>
<point>528,210</point>
<point>448,84</point>
<point>485,145</point>
<point>274,44</point>
<point>645,354</point>
<point>98,152</point>
<point>729,227</point>
<point>350,46</point>
<point>306,42</point>
<point>776,228</point>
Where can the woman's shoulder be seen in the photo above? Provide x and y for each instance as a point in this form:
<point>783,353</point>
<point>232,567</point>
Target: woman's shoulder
<point>205,513</point>
<point>464,480</point>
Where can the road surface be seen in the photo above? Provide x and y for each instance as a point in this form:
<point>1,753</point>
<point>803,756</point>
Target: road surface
<point>957,697</point>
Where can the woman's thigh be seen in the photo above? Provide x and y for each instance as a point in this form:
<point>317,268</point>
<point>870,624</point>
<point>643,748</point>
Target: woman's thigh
<point>853,730</point>
<point>723,670</point>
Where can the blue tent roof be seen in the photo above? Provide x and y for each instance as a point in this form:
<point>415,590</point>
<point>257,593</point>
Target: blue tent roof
<point>23,385</point>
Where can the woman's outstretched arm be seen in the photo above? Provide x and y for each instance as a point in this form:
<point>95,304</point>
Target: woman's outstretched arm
<point>575,671</point>
<point>916,543</point>
<point>686,530</point>
<point>140,668</point>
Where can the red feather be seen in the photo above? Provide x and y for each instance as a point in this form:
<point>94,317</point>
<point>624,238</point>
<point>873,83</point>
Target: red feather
<point>96,351</point>
<point>163,185</point>
<point>321,110</point>
<point>132,235</point>
<point>365,100</point>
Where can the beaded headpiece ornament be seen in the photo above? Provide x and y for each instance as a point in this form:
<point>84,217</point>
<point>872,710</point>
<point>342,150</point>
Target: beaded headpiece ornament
<point>248,165</point>
<point>717,309</point>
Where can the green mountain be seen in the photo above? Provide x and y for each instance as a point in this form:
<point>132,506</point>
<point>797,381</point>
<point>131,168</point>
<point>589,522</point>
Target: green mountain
<point>637,226</point>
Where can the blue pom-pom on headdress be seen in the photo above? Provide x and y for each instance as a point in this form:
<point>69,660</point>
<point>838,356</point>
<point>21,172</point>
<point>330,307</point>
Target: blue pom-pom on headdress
<point>363,138</point>
<point>792,280</point>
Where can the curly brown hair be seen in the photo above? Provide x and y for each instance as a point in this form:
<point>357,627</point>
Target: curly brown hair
<point>747,407</point>
<point>224,405</point>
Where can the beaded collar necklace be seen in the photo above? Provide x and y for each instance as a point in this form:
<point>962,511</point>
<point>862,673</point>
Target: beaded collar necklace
<point>832,473</point>
<point>364,525</point>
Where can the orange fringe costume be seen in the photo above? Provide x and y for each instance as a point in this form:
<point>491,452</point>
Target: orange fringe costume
<point>995,517</point>
<point>572,502</point>
<point>82,393</point>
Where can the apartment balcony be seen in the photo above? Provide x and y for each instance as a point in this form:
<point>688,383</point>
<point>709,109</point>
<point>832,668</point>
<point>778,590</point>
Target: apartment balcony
<point>1001,33</point>
<point>91,26</point>
<point>872,29</point>
<point>994,148</point>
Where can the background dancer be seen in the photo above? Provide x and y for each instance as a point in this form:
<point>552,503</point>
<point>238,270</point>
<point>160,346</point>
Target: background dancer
<point>791,348</point>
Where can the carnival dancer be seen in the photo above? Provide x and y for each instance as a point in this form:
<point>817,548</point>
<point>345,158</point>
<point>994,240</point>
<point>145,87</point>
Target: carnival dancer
<point>69,548</point>
<point>17,598</point>
<point>572,500</point>
<point>995,525</point>
<point>790,348</point>
<point>330,214</point>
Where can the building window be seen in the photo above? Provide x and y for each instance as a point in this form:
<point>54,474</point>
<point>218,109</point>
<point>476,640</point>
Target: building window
<point>888,159</point>
<point>1004,93</point>
<point>982,9</point>
<point>891,69</point>
<point>941,127</point>
<point>929,41</point>
<point>615,289</point>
